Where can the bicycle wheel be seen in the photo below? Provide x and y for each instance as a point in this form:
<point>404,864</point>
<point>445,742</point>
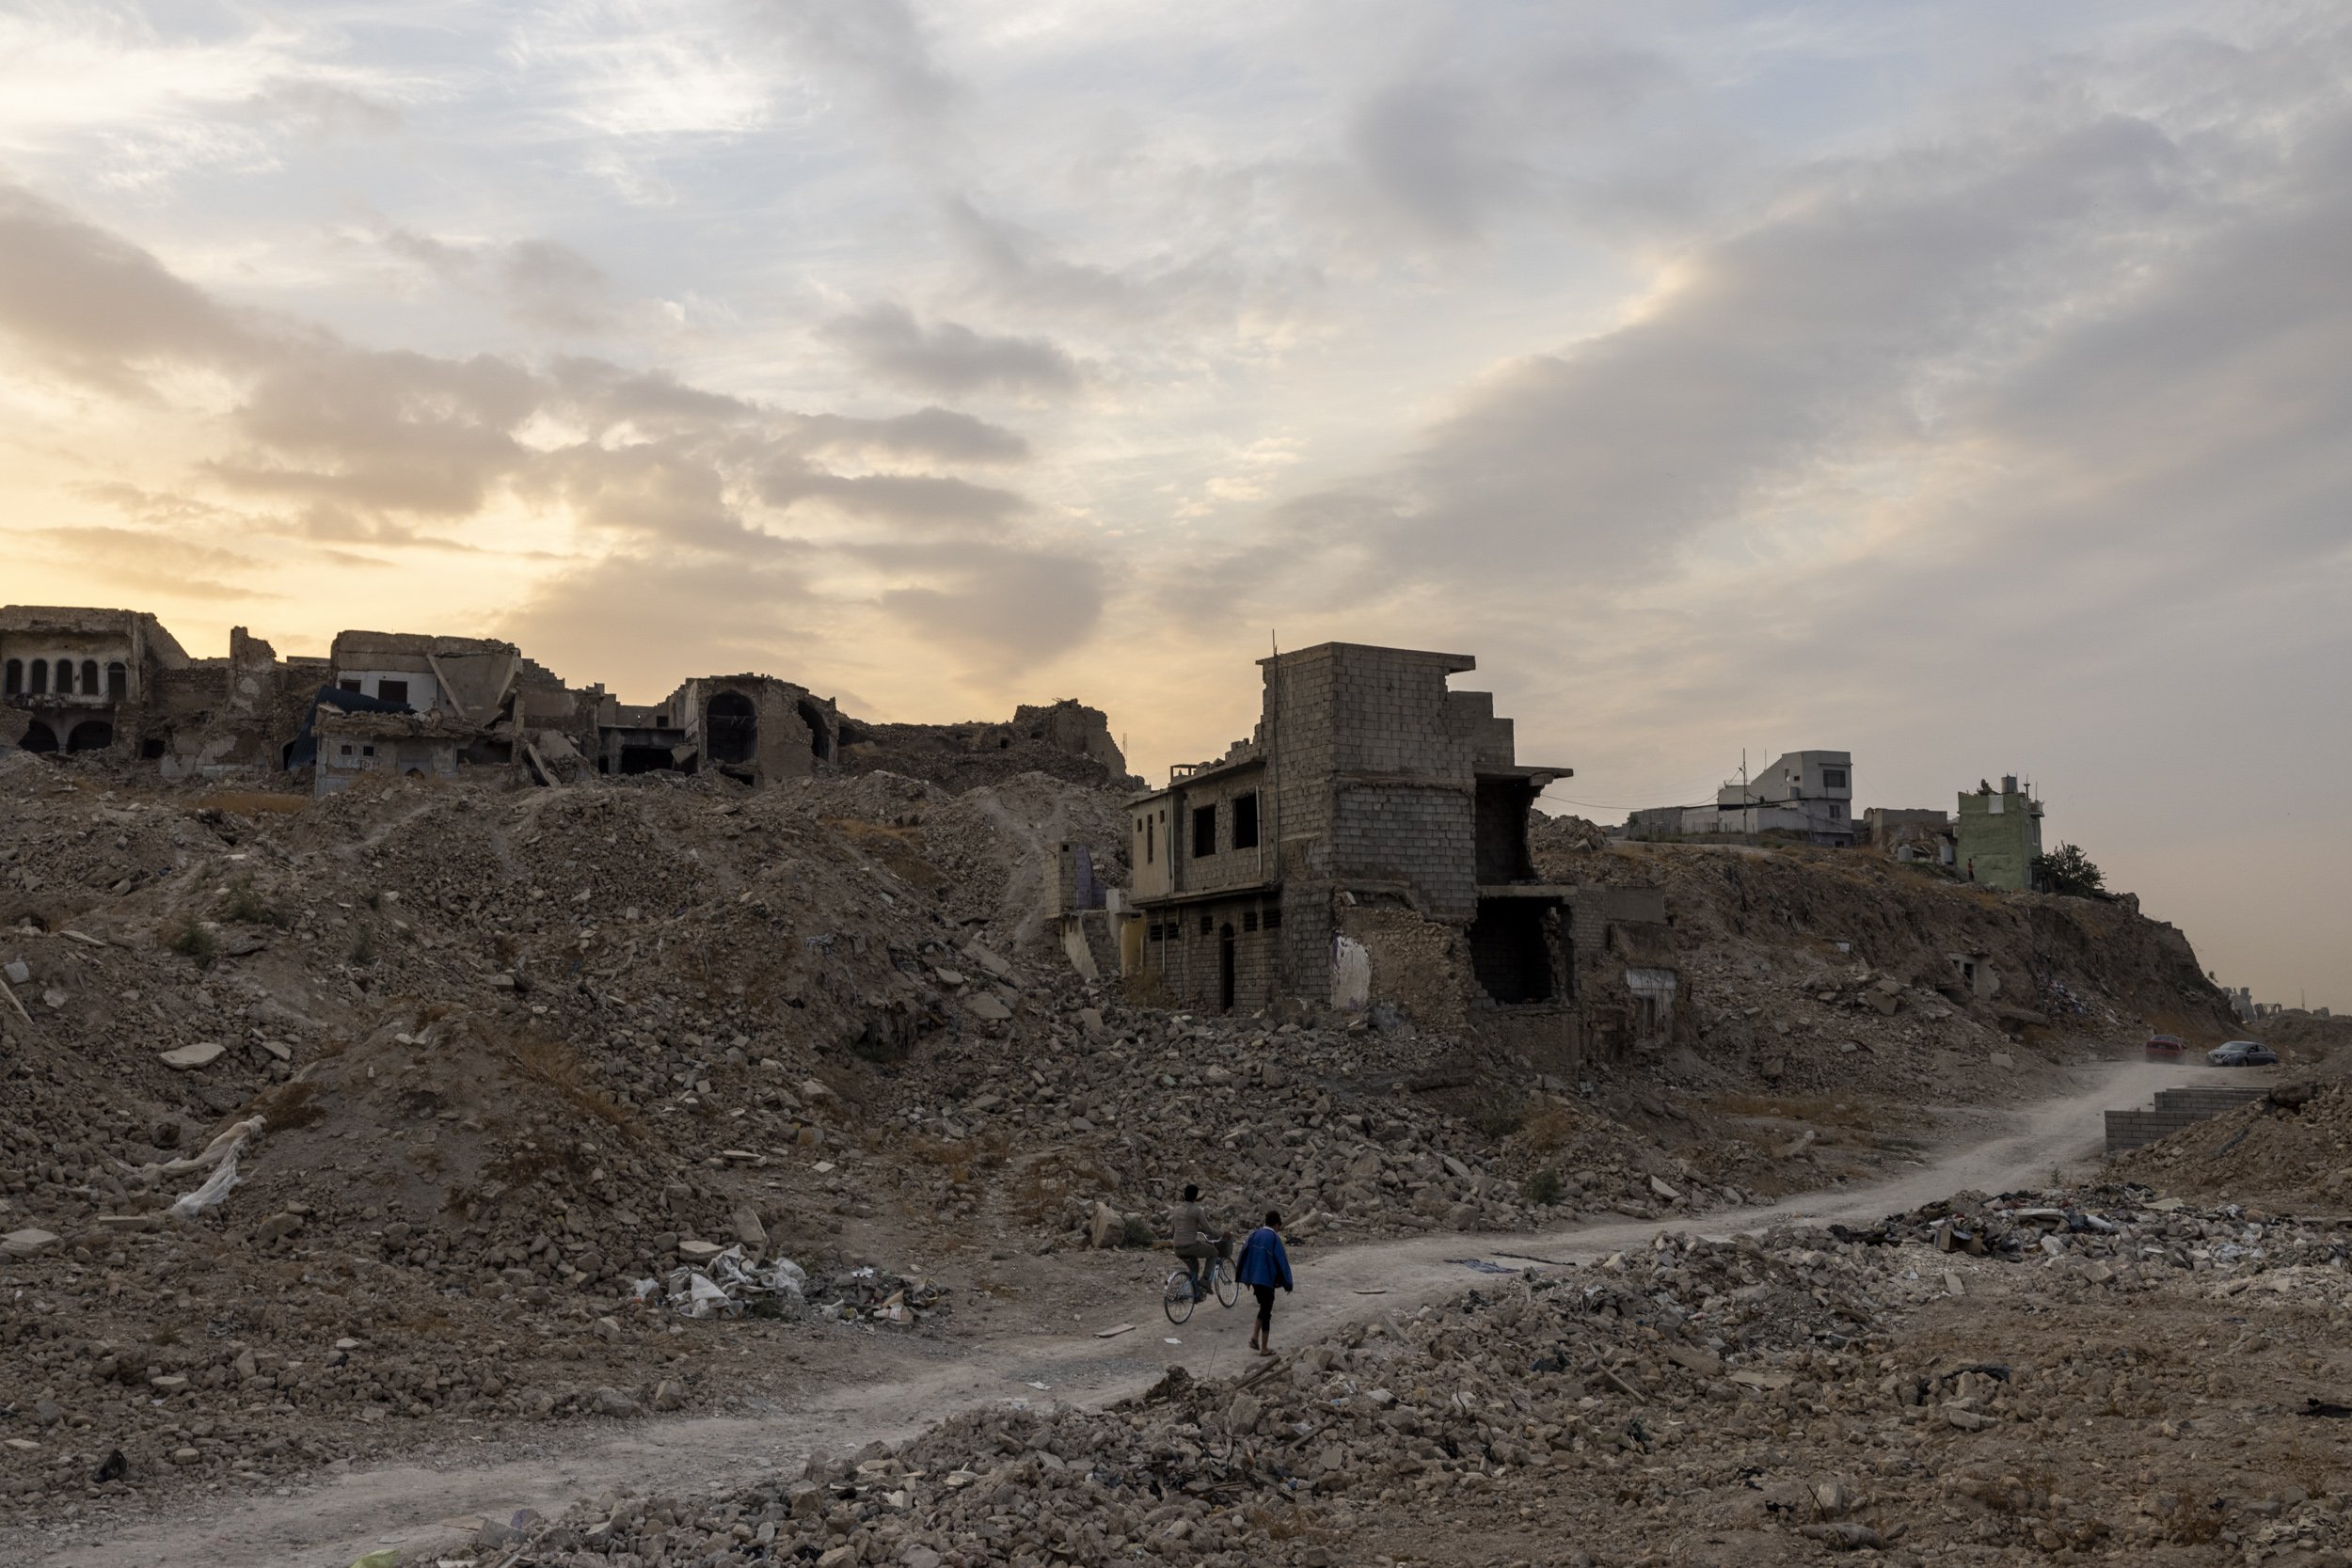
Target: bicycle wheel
<point>1228,1288</point>
<point>1176,1297</point>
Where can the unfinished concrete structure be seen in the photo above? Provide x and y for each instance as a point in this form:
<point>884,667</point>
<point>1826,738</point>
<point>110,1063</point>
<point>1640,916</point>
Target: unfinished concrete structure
<point>1369,840</point>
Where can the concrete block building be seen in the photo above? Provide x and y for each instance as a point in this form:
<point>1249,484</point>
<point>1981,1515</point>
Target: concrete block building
<point>1998,836</point>
<point>1373,828</point>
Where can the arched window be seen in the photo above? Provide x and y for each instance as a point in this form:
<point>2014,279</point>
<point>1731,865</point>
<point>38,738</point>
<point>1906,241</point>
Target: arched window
<point>39,736</point>
<point>118,681</point>
<point>731,728</point>
<point>92,734</point>
<point>65,677</point>
<point>14,682</point>
<point>40,688</point>
<point>90,678</point>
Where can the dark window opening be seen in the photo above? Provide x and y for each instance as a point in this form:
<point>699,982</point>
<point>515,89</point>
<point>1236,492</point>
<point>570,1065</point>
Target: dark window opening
<point>1151,836</point>
<point>39,738</point>
<point>1225,967</point>
<point>1833,778</point>
<point>14,680</point>
<point>154,748</point>
<point>41,678</point>
<point>1502,829</point>
<point>95,735</point>
<point>730,728</point>
<point>65,677</point>
<point>648,759</point>
<point>820,738</point>
<point>349,683</point>
<point>1274,920</point>
<point>1246,820</point>
<point>90,678</point>
<point>118,681</point>
<point>661,721</point>
<point>367,751</point>
<point>392,692</point>
<point>1203,832</point>
<point>1207,925</point>
<point>346,751</point>
<point>1511,950</point>
<point>1249,920</point>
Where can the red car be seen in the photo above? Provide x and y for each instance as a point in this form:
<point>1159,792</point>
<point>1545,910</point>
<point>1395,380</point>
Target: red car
<point>2165,1047</point>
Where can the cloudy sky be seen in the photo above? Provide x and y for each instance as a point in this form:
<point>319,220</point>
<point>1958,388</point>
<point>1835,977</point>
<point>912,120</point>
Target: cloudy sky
<point>1965,386</point>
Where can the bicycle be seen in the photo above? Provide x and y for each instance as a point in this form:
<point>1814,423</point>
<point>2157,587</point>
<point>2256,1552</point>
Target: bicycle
<point>1177,1298</point>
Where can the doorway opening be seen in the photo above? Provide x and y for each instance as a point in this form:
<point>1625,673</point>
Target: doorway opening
<point>730,728</point>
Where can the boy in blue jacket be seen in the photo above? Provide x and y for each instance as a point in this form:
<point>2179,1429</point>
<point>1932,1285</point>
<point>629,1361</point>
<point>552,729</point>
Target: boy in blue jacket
<point>1264,1266</point>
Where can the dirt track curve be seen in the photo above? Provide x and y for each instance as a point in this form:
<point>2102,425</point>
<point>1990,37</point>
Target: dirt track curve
<point>410,1504</point>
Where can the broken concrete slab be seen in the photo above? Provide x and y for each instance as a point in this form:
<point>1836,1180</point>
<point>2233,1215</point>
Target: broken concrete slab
<point>189,1057</point>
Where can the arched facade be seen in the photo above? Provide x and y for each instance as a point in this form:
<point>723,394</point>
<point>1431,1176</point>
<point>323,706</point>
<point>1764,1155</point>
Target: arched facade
<point>91,735</point>
<point>731,728</point>
<point>39,736</point>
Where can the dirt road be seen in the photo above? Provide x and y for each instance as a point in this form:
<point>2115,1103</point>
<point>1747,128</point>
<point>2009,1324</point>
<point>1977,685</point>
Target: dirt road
<point>908,1387</point>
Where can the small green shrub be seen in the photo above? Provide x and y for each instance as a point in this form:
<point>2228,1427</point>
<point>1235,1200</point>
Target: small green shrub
<point>1499,1115</point>
<point>194,943</point>
<point>1136,1232</point>
<point>247,907</point>
<point>1545,1186</point>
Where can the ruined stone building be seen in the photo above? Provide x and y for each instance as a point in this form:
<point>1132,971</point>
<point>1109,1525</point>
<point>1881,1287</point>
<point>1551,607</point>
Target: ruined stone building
<point>411,705</point>
<point>78,679</point>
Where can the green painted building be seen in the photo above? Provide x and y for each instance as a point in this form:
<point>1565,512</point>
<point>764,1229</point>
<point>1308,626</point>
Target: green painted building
<point>1999,835</point>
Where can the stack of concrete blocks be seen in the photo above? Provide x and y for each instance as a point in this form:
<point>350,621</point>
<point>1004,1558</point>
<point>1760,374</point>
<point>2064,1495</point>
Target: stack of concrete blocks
<point>2175,1109</point>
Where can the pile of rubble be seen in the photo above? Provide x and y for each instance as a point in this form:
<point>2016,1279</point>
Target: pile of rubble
<point>1714,1402</point>
<point>1832,972</point>
<point>2293,1147</point>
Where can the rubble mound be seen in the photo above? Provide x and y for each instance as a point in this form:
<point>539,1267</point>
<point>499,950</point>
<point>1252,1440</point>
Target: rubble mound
<point>2291,1150</point>
<point>1766,1398</point>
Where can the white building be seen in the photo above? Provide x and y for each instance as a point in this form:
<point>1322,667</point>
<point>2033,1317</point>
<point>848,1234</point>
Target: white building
<point>1809,794</point>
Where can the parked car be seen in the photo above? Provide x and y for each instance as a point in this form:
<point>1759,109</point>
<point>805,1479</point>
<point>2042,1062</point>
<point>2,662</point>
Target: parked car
<point>2166,1048</point>
<point>2242,1053</point>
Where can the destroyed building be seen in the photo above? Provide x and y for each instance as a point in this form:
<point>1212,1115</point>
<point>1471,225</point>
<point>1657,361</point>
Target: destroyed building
<point>115,682</point>
<point>79,680</point>
<point>1369,843</point>
<point>754,728</point>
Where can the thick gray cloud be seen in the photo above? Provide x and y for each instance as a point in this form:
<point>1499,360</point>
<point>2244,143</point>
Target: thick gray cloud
<point>98,308</point>
<point>1826,326</point>
<point>323,111</point>
<point>382,429</point>
<point>539,283</point>
<point>920,501</point>
<point>1001,608</point>
<point>940,435</point>
<point>947,357</point>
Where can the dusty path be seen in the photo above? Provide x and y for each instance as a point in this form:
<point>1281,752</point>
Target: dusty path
<point>905,1389</point>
